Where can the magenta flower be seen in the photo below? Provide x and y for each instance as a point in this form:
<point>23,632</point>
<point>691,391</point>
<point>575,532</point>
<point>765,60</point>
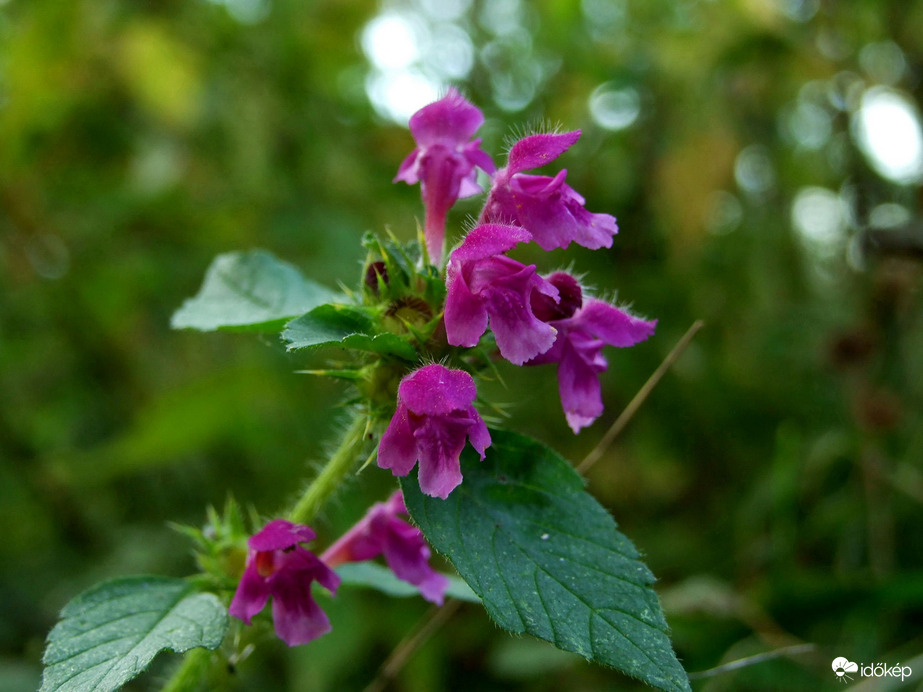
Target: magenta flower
<point>444,161</point>
<point>547,207</point>
<point>279,566</point>
<point>584,327</point>
<point>405,550</point>
<point>434,417</point>
<point>484,285</point>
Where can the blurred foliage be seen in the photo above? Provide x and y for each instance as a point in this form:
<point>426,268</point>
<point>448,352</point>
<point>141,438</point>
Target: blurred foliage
<point>774,478</point>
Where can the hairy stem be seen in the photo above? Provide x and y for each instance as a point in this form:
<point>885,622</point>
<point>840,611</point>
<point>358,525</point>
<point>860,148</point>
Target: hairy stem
<point>340,463</point>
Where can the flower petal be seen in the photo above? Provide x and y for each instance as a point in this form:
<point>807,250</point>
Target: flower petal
<point>520,335</point>
<point>487,240</point>
<point>536,150</point>
<point>436,390</point>
<point>407,554</point>
<point>296,616</point>
<point>397,449</point>
<point>479,157</point>
<point>614,326</point>
<point>465,316</point>
<point>357,544</point>
<point>578,380</point>
<point>478,435</point>
<point>409,170</point>
<point>251,595</point>
<point>451,119</point>
<point>395,503</point>
<point>280,534</point>
<point>554,213</point>
<point>440,441</point>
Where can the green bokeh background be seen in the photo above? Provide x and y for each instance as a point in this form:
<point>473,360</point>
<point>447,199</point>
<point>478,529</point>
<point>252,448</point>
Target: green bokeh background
<point>773,480</point>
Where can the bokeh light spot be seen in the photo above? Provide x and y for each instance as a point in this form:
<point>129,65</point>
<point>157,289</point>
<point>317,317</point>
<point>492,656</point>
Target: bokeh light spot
<point>753,170</point>
<point>614,108</point>
<point>887,129</point>
<point>819,219</point>
<point>398,94</point>
<point>391,41</point>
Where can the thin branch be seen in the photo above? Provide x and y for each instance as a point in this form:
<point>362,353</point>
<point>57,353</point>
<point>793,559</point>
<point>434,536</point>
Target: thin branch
<point>428,626</point>
<point>753,660</point>
<point>639,399</point>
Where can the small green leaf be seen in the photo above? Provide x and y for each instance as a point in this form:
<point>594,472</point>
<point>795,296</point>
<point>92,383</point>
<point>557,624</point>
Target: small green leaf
<point>346,326</point>
<point>250,291</point>
<point>547,559</point>
<point>326,324</point>
<point>110,633</point>
<point>381,578</point>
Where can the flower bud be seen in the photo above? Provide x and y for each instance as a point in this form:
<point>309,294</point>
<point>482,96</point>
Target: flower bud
<point>375,272</point>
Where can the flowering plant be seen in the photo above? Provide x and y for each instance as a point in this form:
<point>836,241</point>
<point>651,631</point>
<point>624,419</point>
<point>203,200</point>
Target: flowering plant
<point>421,330</point>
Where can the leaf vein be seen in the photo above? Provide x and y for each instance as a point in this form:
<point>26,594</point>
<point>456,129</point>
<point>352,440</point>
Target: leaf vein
<point>613,625</point>
<point>502,574</point>
<point>228,280</point>
<point>181,596</point>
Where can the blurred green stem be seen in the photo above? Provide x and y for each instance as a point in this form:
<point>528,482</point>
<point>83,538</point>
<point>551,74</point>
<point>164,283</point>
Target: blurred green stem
<point>341,461</point>
<point>191,675</point>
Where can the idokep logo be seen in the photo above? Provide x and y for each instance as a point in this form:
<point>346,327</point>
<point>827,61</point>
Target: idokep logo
<point>842,667</point>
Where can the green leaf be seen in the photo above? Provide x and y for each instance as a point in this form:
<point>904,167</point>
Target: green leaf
<point>346,326</point>
<point>547,559</point>
<point>250,291</point>
<point>110,633</point>
<point>381,578</point>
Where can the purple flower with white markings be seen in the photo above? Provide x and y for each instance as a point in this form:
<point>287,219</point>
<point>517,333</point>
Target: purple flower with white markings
<point>486,286</point>
<point>444,161</point>
<point>382,531</point>
<point>435,416</point>
<point>279,566</point>
<point>547,207</point>
<point>584,327</point>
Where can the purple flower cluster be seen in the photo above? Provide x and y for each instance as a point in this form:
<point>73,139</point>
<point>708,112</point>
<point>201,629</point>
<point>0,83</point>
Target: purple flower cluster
<point>535,320</point>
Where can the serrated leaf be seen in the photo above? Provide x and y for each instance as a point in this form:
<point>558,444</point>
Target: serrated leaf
<point>109,634</point>
<point>547,559</point>
<point>381,578</point>
<point>346,326</point>
<point>250,291</point>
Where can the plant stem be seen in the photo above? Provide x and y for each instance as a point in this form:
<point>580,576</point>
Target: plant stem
<point>191,674</point>
<point>633,405</point>
<point>332,474</point>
